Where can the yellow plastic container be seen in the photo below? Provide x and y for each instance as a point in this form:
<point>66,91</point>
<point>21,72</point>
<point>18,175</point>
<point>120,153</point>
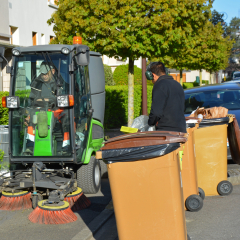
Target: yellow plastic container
<point>147,195</point>
<point>211,158</point>
<point>193,202</point>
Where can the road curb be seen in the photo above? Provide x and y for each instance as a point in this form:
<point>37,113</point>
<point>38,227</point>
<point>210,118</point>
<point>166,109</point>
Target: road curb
<point>88,232</point>
<point>234,176</point>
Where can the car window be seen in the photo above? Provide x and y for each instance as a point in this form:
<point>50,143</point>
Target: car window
<point>229,99</point>
<point>236,75</point>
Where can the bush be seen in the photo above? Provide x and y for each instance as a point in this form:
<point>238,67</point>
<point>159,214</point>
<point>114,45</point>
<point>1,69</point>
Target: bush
<point>120,75</point>
<point>206,82</point>
<point>188,85</point>
<point>116,110</point>
<point>3,111</point>
<point>108,75</point>
<point>196,84</point>
<point>1,157</point>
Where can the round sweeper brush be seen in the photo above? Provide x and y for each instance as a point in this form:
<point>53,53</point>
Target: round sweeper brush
<point>77,200</point>
<point>46,213</point>
<point>15,201</point>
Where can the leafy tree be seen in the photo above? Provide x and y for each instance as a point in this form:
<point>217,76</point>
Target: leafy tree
<point>130,28</point>
<point>212,49</point>
<point>233,31</point>
<point>217,17</point>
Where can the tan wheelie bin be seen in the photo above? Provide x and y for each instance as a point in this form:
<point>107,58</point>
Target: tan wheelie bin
<point>210,141</point>
<point>146,185</point>
<point>193,195</point>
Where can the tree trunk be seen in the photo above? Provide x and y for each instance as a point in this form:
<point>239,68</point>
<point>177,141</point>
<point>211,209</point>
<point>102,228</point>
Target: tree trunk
<point>130,92</point>
<point>181,77</point>
<point>200,77</point>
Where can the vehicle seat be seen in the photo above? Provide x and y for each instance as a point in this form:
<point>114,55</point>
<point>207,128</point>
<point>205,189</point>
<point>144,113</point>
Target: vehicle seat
<point>228,97</point>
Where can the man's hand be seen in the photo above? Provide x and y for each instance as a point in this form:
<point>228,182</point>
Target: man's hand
<point>45,99</point>
<point>27,119</point>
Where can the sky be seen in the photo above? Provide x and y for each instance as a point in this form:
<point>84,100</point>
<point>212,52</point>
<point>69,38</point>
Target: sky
<point>230,7</point>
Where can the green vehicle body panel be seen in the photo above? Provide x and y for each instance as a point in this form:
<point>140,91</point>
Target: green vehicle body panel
<point>43,146</point>
<point>93,145</point>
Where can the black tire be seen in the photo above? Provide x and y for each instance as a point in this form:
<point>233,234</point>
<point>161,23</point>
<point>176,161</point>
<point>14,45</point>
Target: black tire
<point>104,171</point>
<point>188,238</point>
<point>201,193</point>
<point>224,188</point>
<point>194,203</point>
<point>89,176</point>
<point>36,199</point>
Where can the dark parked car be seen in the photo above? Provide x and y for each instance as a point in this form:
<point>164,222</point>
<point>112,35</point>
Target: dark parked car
<point>225,95</point>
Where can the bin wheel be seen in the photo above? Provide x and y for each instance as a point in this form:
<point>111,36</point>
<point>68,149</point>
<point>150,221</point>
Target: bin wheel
<point>89,176</point>
<point>104,171</point>
<point>188,238</point>
<point>224,188</point>
<point>201,193</point>
<point>194,203</point>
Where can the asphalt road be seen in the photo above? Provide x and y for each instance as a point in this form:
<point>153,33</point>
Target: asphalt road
<point>15,224</point>
<point>217,220</point>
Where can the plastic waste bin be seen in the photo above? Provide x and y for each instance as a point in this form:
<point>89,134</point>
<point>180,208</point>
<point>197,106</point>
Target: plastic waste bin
<point>210,141</point>
<point>193,195</point>
<point>146,185</point>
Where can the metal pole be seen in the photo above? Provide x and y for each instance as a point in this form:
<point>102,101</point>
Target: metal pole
<point>144,88</point>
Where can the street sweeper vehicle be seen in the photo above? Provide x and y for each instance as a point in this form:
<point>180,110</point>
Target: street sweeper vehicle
<point>56,108</point>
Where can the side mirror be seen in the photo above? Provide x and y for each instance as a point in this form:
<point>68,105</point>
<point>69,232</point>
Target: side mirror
<point>82,56</point>
<point>2,51</point>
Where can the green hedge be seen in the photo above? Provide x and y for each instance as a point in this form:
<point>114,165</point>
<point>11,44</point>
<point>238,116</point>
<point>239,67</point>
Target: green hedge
<point>3,111</point>
<point>116,110</point>
<point>205,82</point>
<point>108,75</point>
<point>120,75</point>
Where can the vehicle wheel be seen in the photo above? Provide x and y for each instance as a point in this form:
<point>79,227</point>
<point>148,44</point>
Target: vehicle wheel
<point>194,203</point>
<point>89,176</point>
<point>224,188</point>
<point>188,238</point>
<point>104,171</point>
<point>201,193</point>
<point>36,199</point>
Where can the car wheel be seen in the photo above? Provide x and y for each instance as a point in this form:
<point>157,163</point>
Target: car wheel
<point>224,188</point>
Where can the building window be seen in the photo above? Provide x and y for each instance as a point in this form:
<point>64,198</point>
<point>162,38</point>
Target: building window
<point>51,38</point>
<point>42,39</point>
<point>34,38</point>
<point>14,31</point>
<point>53,2</point>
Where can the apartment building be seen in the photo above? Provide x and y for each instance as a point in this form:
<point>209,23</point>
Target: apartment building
<point>23,23</point>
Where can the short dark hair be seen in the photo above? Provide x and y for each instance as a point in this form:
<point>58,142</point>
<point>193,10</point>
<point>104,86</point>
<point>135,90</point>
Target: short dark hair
<point>158,68</point>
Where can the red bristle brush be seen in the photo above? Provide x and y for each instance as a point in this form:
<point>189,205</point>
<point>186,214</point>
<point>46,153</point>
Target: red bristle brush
<point>77,200</point>
<point>15,201</point>
<point>52,213</point>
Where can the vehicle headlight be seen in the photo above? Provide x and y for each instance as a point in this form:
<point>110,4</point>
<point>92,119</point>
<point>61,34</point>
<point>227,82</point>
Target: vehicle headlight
<point>13,102</point>
<point>15,52</point>
<point>65,101</point>
<point>65,51</point>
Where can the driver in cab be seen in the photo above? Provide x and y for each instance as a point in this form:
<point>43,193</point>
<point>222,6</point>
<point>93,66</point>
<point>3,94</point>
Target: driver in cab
<point>43,95</point>
<point>44,86</point>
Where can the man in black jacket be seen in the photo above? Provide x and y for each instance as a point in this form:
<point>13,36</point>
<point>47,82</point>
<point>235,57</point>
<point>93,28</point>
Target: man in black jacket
<point>168,101</point>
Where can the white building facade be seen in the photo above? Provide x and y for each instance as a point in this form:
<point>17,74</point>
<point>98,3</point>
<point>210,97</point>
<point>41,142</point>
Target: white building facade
<point>23,23</point>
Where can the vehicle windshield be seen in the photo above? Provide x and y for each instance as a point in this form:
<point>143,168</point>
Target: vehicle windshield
<point>39,127</point>
<point>229,99</point>
<point>236,75</point>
